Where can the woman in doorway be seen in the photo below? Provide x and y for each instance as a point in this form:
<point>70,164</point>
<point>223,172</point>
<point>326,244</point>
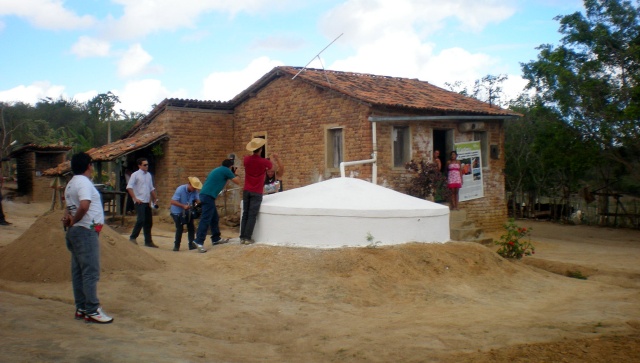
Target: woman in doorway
<point>454,178</point>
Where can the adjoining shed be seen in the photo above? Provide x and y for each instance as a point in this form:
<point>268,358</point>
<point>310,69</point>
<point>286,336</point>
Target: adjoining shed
<point>31,162</point>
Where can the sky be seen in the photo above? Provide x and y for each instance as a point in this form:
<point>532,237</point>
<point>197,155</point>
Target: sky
<point>147,50</point>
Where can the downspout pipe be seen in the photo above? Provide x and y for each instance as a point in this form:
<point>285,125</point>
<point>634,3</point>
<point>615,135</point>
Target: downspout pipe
<point>373,160</point>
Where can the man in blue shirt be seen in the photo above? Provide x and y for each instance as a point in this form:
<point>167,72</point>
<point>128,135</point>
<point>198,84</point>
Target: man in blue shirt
<point>214,184</point>
<point>183,199</point>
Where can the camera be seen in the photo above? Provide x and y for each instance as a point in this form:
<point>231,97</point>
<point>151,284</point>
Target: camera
<point>155,205</point>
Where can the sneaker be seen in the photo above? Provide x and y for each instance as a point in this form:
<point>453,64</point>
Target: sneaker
<point>99,317</point>
<point>201,248</point>
<point>192,246</point>
<point>151,244</point>
<point>133,240</point>
<point>80,313</point>
<point>176,249</point>
<point>5,223</point>
<point>247,242</point>
<point>220,241</point>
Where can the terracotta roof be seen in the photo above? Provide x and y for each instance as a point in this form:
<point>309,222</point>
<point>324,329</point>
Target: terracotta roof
<point>382,91</point>
<point>113,150</point>
<point>40,148</point>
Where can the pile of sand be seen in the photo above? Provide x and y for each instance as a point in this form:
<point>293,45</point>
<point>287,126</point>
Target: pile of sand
<point>41,255</point>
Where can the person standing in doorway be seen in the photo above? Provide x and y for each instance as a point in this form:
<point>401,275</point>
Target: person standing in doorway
<point>185,198</point>
<point>214,184</point>
<point>273,178</point>
<point>143,193</point>
<point>255,169</point>
<point>83,219</point>
<point>454,179</point>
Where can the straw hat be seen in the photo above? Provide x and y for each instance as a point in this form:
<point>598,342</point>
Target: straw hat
<point>256,143</point>
<point>195,182</point>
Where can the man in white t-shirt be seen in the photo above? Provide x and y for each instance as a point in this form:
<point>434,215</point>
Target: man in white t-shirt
<point>83,219</point>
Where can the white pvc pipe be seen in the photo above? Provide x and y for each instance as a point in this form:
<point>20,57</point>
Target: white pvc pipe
<point>374,160</point>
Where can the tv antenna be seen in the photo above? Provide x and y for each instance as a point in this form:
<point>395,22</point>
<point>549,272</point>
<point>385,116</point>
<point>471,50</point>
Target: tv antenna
<point>318,56</point>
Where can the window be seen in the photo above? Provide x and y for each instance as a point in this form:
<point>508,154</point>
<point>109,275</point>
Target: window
<point>334,147</point>
<point>484,146</point>
<point>401,146</point>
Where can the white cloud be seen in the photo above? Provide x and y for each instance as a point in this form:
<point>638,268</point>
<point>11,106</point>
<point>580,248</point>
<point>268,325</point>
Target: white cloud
<point>145,17</point>
<point>46,14</point>
<point>134,61</point>
<point>90,47</point>
<point>32,93</point>
<point>364,21</point>
<point>139,96</point>
<point>223,86</point>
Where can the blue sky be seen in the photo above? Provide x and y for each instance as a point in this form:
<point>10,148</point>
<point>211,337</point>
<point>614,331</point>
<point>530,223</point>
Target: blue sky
<point>145,51</point>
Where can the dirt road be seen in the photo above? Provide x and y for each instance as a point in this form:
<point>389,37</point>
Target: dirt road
<point>453,302</point>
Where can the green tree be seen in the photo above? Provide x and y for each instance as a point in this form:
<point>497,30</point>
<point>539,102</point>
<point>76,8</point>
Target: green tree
<point>102,107</point>
<point>593,77</point>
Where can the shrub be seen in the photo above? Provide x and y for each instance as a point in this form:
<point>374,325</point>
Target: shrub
<point>428,180</point>
<point>512,244</point>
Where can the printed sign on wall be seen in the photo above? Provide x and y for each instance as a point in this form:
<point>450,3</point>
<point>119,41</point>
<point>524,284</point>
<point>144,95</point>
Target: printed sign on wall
<point>469,154</point>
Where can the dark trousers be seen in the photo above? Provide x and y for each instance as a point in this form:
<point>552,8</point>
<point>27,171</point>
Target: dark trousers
<point>144,222</point>
<point>209,218</point>
<point>1,212</point>
<point>250,208</point>
<point>191,229</point>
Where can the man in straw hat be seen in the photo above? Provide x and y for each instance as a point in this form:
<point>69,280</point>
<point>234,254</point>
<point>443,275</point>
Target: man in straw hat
<point>214,184</point>
<point>184,198</point>
<point>255,168</point>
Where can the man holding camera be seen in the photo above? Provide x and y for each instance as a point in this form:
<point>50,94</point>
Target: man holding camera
<point>142,191</point>
<point>214,184</point>
<point>182,204</point>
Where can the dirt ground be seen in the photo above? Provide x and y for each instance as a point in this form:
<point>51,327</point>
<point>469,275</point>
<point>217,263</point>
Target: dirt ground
<point>452,302</point>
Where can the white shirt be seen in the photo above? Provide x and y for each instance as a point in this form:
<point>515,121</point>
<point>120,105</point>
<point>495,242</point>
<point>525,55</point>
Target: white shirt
<point>81,188</point>
<point>142,184</point>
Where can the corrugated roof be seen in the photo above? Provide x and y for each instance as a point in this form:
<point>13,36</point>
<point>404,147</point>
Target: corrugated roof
<point>113,150</point>
<point>177,102</point>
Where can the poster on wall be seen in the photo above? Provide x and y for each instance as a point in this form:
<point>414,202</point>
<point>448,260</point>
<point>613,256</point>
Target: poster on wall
<point>469,154</point>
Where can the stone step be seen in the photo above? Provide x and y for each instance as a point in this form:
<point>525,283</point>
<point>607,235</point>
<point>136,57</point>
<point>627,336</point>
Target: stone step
<point>465,234</point>
<point>457,224</point>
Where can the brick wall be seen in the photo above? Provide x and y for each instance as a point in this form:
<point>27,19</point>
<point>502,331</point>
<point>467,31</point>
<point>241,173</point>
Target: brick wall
<point>294,121</point>
<point>198,142</point>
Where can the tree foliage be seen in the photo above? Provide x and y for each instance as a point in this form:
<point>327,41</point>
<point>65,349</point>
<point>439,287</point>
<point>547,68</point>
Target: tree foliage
<point>61,121</point>
<point>592,79</point>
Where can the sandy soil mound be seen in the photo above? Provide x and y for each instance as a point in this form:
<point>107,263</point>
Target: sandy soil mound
<point>40,254</point>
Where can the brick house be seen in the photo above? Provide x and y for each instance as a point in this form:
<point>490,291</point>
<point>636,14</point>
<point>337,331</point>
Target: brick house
<point>315,119</point>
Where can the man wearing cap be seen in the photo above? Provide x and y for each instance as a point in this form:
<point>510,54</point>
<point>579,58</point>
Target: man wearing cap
<point>255,169</point>
<point>214,184</point>
<point>184,198</point>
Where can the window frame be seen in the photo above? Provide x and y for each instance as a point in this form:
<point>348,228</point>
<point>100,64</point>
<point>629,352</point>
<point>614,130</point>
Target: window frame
<point>406,147</point>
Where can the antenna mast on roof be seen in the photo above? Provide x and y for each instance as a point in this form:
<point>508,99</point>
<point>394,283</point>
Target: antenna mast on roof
<point>318,56</point>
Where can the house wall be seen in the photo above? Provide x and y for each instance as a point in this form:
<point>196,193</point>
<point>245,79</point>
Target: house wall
<point>294,117</point>
<point>198,142</point>
<point>489,212</point>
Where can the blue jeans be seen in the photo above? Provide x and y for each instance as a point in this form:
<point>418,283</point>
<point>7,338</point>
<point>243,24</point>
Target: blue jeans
<point>250,208</point>
<point>144,222</point>
<point>209,218</point>
<point>84,246</point>
<point>180,228</point>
